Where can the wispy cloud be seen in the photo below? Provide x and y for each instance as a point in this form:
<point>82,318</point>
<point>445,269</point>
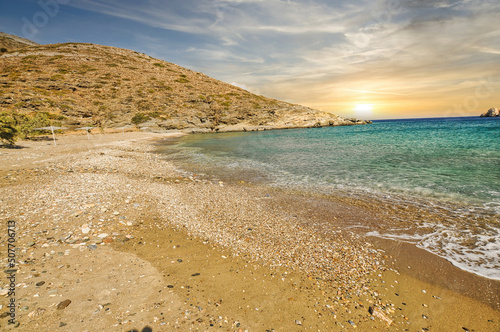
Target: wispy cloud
<point>376,92</point>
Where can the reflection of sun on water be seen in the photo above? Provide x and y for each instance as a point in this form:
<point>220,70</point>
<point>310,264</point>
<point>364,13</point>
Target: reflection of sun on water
<point>363,110</point>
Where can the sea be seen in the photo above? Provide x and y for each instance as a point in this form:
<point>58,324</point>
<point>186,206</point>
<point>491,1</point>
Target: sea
<point>444,166</point>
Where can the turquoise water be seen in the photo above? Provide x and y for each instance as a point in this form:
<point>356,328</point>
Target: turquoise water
<point>440,161</point>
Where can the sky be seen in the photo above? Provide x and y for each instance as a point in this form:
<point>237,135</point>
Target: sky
<point>369,59</point>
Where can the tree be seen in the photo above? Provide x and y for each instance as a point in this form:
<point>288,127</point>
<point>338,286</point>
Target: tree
<point>8,131</point>
<point>25,124</point>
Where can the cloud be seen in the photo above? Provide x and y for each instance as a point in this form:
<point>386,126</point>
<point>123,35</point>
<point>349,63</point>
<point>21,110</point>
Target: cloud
<point>308,49</point>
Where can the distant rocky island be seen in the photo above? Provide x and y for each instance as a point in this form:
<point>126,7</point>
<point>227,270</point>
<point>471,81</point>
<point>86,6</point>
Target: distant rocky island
<point>491,112</point>
<point>78,84</point>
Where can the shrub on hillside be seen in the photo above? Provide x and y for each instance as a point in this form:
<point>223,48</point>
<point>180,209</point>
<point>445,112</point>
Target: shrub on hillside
<point>15,125</point>
<point>7,129</point>
<point>140,118</point>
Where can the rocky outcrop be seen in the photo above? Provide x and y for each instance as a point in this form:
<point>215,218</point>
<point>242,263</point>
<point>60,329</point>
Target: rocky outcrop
<point>491,112</point>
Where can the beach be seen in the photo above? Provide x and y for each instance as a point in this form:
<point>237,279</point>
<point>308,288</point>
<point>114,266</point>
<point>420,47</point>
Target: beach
<point>132,240</point>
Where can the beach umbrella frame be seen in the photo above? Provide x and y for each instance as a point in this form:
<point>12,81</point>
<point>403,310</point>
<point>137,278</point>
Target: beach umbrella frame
<point>51,128</point>
<point>87,129</point>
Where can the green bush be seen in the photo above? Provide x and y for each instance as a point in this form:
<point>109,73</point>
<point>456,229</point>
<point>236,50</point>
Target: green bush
<point>15,126</point>
<point>140,118</point>
<point>8,131</point>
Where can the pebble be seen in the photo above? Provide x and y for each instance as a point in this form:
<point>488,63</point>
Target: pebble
<point>63,304</point>
<point>376,312</point>
<point>85,229</point>
<point>36,313</point>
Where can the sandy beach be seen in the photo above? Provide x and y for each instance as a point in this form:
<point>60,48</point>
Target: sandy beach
<point>110,236</point>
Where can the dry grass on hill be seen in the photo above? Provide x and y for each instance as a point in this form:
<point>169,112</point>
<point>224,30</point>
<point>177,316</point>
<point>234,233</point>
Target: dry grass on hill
<point>86,84</point>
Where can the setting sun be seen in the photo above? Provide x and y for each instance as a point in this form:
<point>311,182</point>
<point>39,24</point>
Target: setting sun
<point>363,110</point>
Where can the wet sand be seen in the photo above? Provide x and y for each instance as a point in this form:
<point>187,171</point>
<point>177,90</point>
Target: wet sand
<point>167,249</point>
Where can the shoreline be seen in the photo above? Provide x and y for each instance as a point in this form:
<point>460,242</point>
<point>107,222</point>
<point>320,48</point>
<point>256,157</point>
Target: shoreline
<point>102,186</point>
<point>376,212</point>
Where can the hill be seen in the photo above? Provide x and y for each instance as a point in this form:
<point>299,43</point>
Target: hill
<point>11,42</point>
<point>85,84</point>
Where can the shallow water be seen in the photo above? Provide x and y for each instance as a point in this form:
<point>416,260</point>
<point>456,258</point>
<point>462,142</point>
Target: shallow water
<point>448,165</point>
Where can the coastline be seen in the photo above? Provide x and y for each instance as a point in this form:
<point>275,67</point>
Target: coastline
<point>223,233</point>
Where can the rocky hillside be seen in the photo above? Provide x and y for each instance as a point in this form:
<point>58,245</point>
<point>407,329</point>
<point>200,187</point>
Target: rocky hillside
<point>86,84</point>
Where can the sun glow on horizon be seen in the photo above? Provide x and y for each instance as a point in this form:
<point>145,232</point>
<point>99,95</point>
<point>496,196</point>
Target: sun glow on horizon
<point>363,110</point>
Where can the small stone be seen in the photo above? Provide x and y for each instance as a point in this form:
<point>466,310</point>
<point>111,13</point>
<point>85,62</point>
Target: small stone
<point>298,322</point>
<point>63,304</point>
<point>116,213</point>
<point>65,237</point>
<point>376,312</point>
<point>179,260</point>
<point>61,324</point>
<point>351,322</point>
<point>92,247</point>
<point>107,240</point>
<point>170,286</point>
<point>30,244</point>
<point>36,313</point>
<point>85,229</point>
<point>195,274</point>
<point>40,283</point>
<point>103,235</point>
